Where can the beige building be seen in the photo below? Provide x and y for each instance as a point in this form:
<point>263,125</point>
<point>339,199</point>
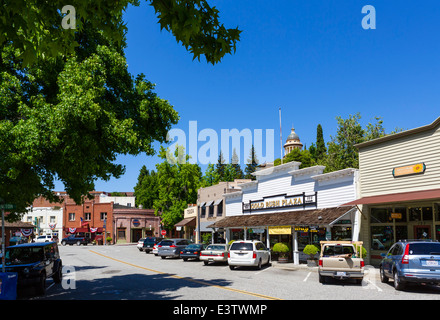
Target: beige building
<point>400,188</point>
<point>187,226</point>
<point>292,142</point>
<point>212,207</point>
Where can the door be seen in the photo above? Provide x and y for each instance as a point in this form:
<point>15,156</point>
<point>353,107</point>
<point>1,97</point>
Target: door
<point>422,232</point>
<point>136,234</point>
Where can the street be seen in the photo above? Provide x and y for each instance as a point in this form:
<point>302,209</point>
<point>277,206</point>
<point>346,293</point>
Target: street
<point>121,272</point>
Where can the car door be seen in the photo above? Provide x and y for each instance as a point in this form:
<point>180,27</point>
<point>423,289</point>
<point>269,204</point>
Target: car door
<point>388,261</point>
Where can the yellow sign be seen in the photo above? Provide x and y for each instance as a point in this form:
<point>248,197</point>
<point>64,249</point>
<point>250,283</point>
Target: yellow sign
<point>396,215</point>
<point>408,170</point>
<point>280,230</point>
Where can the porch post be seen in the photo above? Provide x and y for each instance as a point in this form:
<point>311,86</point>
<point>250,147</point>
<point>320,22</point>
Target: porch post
<point>295,248</point>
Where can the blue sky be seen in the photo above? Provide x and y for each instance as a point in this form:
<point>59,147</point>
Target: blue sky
<point>310,58</point>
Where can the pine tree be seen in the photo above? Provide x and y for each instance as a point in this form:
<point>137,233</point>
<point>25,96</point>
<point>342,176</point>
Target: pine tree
<point>220,167</point>
<point>321,150</point>
<point>251,165</point>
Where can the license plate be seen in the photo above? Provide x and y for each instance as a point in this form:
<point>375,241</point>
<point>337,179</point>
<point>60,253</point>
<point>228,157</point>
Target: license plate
<point>431,262</point>
<point>341,274</point>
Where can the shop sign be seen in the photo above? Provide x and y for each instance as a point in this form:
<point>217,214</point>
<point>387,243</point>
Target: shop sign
<point>256,230</point>
<point>280,230</point>
<point>396,215</point>
<point>417,168</point>
<point>280,201</point>
<point>136,223</point>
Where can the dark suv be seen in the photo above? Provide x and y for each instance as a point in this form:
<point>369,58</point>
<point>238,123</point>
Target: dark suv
<point>149,243</point>
<point>34,262</point>
<point>416,261</point>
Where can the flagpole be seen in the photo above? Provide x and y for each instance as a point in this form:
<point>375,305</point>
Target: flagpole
<point>281,140</point>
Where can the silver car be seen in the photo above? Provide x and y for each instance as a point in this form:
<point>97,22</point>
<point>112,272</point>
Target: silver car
<point>171,247</point>
<point>411,261</point>
<point>214,253</point>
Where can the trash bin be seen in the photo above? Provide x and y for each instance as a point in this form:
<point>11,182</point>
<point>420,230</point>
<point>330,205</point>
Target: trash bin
<point>8,285</point>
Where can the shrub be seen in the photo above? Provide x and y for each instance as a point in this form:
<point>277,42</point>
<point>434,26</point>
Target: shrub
<point>311,250</point>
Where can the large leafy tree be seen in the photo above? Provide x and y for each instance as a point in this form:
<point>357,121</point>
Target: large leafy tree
<point>68,105</point>
<point>177,183</point>
<point>146,189</point>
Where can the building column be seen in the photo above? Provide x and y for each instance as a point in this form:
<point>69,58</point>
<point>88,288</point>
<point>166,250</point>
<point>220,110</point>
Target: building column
<point>295,248</point>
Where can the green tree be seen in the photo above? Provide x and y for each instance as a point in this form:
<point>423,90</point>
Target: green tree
<point>39,34</point>
<point>320,145</point>
<point>211,176</point>
<point>251,165</point>
<point>69,106</point>
<point>178,182</point>
<point>220,167</point>
<point>237,172</point>
<point>146,189</point>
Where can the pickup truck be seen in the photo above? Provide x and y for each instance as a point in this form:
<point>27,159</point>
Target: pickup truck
<point>341,260</point>
<point>75,240</point>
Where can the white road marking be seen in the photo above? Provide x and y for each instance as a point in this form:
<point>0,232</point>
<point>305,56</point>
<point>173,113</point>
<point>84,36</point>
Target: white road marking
<point>308,275</point>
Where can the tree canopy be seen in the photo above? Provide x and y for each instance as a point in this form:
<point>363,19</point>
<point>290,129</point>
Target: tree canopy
<point>69,106</point>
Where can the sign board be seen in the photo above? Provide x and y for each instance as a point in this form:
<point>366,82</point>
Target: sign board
<point>7,206</point>
<point>396,215</point>
<point>409,170</point>
<point>163,232</point>
<point>280,230</point>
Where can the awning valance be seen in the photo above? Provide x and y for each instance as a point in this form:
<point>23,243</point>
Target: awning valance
<point>189,222</point>
<point>290,218</point>
<point>398,197</point>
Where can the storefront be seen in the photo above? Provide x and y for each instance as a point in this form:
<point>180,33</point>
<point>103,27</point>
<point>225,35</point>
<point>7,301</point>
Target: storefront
<point>294,206</point>
<point>400,195</point>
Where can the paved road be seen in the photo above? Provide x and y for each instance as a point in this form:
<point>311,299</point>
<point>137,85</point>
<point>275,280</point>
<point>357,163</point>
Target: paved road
<point>122,272</point>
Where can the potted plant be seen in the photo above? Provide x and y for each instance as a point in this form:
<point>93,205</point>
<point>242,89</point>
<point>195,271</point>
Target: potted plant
<point>283,250</point>
<point>311,250</point>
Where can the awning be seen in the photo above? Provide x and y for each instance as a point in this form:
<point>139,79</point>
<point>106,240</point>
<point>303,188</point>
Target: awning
<point>291,218</point>
<point>398,197</point>
<point>209,203</point>
<point>217,202</point>
<point>189,222</point>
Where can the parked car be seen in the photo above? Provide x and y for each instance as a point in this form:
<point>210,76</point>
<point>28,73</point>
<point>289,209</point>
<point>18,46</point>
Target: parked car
<point>192,251</point>
<point>411,261</point>
<point>140,244</point>
<point>248,253</point>
<point>45,238</point>
<point>149,243</point>
<point>78,240</point>
<point>34,262</point>
<point>215,253</point>
<point>171,247</point>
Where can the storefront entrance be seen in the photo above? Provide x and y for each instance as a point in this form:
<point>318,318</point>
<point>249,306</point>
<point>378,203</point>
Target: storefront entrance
<point>422,232</point>
<point>136,234</point>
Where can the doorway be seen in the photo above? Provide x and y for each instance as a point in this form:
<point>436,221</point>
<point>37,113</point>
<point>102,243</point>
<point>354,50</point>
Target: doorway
<point>422,232</point>
<point>136,234</point>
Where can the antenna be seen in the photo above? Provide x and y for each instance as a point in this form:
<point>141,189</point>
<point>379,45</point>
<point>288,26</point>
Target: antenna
<point>281,140</point>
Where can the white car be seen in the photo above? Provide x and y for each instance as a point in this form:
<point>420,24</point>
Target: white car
<point>214,253</point>
<point>45,238</point>
<point>248,253</point>
<point>140,244</point>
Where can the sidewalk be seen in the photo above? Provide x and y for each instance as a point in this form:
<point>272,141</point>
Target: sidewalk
<point>293,267</point>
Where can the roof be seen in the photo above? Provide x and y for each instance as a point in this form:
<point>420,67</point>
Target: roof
<point>190,222</point>
<point>397,197</point>
<point>298,217</point>
<point>399,135</point>
<point>17,224</point>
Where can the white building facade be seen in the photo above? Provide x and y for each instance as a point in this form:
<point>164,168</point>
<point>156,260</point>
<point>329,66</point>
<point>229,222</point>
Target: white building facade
<point>294,206</point>
<point>47,220</point>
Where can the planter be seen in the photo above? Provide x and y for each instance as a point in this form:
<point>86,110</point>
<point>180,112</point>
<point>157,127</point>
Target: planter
<point>312,263</point>
<point>283,259</point>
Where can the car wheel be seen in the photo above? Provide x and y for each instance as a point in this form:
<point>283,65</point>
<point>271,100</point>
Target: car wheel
<point>259,264</point>
<point>58,275</point>
<point>383,277</point>
<point>185,259</point>
<point>398,284</point>
<point>163,257</point>
<point>205,263</point>
<point>321,279</point>
<point>63,243</point>
<point>41,286</point>
<point>231,267</point>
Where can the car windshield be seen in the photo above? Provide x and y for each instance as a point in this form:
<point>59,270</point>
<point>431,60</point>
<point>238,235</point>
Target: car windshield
<point>216,247</point>
<point>194,246</point>
<point>149,240</point>
<point>424,248</point>
<point>166,243</point>
<point>246,246</point>
<point>337,250</point>
<point>23,255</point>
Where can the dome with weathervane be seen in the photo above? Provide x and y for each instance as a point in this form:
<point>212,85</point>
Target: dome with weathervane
<point>292,142</point>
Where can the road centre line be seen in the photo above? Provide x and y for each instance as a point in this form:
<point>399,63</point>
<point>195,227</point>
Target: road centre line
<point>188,279</point>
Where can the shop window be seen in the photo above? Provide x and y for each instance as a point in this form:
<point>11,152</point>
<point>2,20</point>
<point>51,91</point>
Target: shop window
<point>400,211</point>
<point>401,233</point>
<point>420,214</point>
<point>121,234</point>
<point>382,237</point>
<point>437,212</point>
<point>380,215</point>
